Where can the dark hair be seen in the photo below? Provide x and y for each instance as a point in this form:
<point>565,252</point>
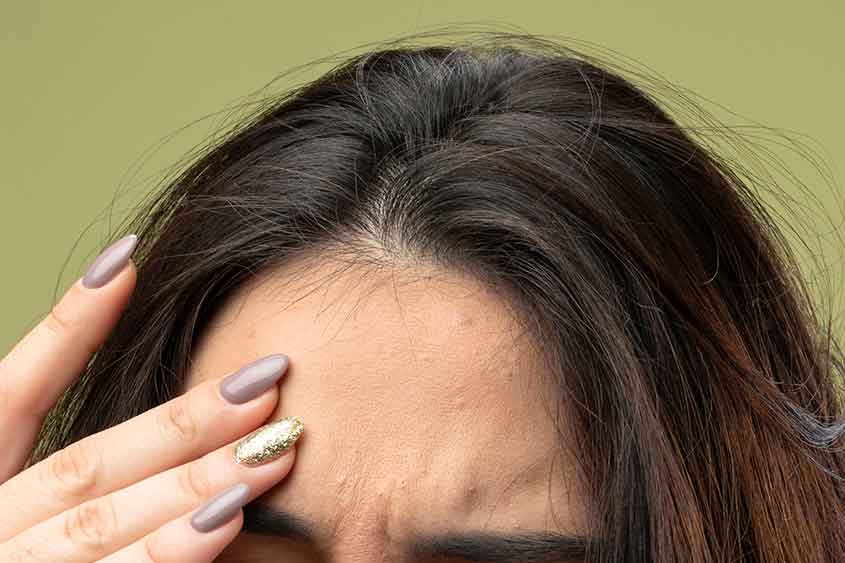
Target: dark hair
<point>696,385</point>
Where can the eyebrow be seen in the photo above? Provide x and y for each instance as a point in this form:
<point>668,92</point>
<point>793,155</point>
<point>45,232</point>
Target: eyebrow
<point>499,547</point>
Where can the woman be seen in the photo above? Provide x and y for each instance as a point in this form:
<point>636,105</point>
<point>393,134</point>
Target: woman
<point>494,301</point>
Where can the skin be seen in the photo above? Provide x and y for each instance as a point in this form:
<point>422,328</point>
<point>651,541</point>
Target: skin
<point>90,501</point>
<point>424,409</point>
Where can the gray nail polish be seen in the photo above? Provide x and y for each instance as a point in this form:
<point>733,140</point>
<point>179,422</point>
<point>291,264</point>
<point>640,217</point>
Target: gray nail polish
<point>253,379</point>
<point>110,262</point>
<point>220,509</point>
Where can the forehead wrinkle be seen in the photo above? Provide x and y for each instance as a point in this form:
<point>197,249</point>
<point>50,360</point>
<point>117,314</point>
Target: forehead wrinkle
<point>375,529</point>
<point>370,500</point>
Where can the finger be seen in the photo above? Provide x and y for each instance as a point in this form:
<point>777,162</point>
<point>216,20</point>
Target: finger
<point>180,430</point>
<point>101,526</point>
<point>51,355</point>
<point>197,537</point>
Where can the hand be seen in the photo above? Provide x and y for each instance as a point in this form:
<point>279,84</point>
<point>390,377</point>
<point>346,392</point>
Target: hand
<point>128,493</point>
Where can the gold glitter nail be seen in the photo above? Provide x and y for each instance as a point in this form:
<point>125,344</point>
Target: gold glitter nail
<point>269,442</point>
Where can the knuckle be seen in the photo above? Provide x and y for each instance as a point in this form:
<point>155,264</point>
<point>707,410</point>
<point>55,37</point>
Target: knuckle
<point>71,473</point>
<point>4,390</point>
<point>21,554</point>
<point>92,525</point>
<point>194,483</point>
<point>178,419</point>
<point>61,318</point>
<point>66,318</point>
<point>151,552</point>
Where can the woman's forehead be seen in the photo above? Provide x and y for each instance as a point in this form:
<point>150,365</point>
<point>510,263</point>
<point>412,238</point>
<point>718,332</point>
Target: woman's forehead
<point>425,387</point>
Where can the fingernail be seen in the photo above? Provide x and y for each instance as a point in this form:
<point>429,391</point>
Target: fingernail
<point>221,508</point>
<point>110,262</point>
<point>253,379</point>
<point>269,442</point>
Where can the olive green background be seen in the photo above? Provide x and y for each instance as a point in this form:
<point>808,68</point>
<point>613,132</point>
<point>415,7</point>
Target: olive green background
<point>95,97</point>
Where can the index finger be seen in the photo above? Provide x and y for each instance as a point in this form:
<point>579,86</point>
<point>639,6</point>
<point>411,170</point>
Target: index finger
<point>41,365</point>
